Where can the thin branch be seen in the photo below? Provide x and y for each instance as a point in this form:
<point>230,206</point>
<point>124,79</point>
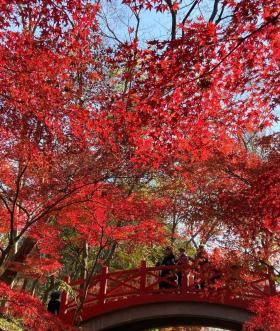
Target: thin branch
<point>6,204</point>
<point>20,206</point>
<point>233,174</point>
<point>137,16</point>
<point>18,181</point>
<point>12,219</point>
<point>241,41</point>
<point>189,13</point>
<point>193,237</point>
<point>115,37</point>
<point>173,19</point>
<point>215,10</point>
<point>87,282</point>
<point>52,206</point>
<point>218,20</point>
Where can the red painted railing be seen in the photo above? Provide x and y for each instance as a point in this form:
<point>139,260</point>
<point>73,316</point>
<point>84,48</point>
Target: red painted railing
<point>120,289</point>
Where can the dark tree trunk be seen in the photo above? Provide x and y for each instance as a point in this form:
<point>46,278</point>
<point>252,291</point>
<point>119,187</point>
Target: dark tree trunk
<point>9,275</point>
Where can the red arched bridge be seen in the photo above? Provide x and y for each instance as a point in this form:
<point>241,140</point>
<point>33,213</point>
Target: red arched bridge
<point>149,296</point>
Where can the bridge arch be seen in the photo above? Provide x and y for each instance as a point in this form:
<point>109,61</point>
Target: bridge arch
<point>170,313</point>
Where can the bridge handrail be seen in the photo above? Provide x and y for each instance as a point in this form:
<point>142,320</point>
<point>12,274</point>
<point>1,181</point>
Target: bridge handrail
<point>123,284</point>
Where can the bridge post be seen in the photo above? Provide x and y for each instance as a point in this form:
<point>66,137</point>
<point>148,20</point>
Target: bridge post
<point>64,297</point>
<point>103,284</point>
<point>184,279</point>
<point>143,276</point>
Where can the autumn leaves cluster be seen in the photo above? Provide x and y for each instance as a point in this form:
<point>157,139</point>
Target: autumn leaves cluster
<point>108,142</point>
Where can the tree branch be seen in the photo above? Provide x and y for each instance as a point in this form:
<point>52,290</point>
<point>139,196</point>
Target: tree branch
<point>6,204</point>
<point>233,174</point>
<point>173,19</point>
<point>215,10</point>
<point>189,13</point>
<point>12,218</point>
<point>218,20</point>
<point>241,41</point>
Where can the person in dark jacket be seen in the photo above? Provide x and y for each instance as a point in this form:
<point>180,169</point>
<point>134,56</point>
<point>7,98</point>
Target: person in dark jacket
<point>169,259</point>
<point>54,303</point>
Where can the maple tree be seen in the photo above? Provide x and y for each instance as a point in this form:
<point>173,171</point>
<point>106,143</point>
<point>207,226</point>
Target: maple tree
<point>29,310</point>
<point>267,314</point>
<point>249,207</point>
<point>96,227</point>
<point>104,143</point>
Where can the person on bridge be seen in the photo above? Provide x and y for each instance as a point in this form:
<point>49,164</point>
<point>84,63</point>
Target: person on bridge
<point>169,259</point>
<point>202,264</point>
<point>183,260</point>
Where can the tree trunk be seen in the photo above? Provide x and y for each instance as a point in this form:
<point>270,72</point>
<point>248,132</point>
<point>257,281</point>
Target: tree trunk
<point>9,275</point>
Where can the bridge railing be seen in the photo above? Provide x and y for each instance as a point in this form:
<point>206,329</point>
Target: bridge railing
<point>111,289</point>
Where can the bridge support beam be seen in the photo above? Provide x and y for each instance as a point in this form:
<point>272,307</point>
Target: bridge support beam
<point>167,314</point>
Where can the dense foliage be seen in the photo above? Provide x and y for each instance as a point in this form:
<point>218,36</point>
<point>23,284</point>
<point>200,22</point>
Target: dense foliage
<point>114,144</point>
